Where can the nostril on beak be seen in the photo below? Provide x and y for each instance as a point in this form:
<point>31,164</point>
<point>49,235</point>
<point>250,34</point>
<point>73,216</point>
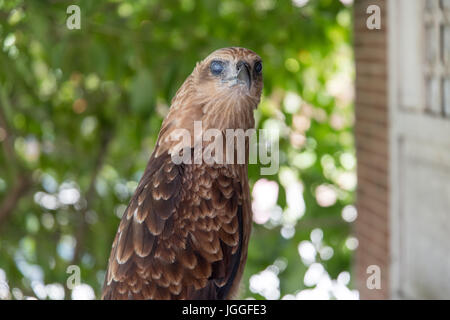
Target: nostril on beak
<point>243,73</point>
<point>241,64</point>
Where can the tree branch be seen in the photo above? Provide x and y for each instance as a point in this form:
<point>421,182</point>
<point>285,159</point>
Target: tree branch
<point>7,144</point>
<point>81,231</point>
<point>22,181</point>
<point>21,187</point>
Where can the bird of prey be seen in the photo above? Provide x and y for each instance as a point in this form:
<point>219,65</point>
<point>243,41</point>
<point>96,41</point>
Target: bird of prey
<point>185,232</point>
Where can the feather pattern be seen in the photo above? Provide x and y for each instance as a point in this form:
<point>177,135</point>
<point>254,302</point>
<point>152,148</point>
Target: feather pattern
<point>185,232</point>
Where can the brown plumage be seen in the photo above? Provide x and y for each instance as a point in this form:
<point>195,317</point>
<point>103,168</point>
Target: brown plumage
<point>185,232</point>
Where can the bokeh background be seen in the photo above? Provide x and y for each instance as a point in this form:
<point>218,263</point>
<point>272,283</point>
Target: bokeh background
<point>80,111</point>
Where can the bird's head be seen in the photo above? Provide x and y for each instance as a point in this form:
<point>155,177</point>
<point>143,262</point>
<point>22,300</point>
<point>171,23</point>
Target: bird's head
<point>232,73</point>
<point>222,92</point>
<point>225,87</point>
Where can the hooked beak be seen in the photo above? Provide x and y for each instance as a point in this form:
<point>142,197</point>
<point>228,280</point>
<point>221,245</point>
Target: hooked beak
<point>243,73</point>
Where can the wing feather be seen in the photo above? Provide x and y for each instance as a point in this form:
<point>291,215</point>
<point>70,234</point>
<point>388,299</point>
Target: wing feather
<point>180,237</point>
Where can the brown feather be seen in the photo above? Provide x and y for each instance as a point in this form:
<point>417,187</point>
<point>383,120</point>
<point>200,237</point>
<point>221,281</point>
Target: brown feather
<point>185,232</point>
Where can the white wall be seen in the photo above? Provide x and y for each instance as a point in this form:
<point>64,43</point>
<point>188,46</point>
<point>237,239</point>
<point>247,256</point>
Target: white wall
<point>419,149</point>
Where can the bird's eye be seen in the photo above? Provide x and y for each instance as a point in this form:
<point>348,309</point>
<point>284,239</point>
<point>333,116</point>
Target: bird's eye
<point>217,67</point>
<point>258,67</point>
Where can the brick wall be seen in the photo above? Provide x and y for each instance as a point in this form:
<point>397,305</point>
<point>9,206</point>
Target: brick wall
<point>372,136</point>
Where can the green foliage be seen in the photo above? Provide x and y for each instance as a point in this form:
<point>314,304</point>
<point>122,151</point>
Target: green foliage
<point>80,110</point>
